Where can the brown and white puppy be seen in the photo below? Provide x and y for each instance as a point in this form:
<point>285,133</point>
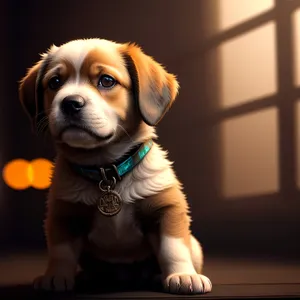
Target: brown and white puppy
<point>101,99</point>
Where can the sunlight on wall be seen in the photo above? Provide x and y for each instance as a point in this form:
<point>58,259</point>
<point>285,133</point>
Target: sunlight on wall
<point>247,72</point>
<point>234,12</point>
<point>20,174</point>
<point>250,154</point>
<point>296,39</point>
<point>247,67</point>
<point>297,137</point>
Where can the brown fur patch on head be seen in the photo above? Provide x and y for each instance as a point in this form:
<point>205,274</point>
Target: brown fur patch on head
<point>98,63</point>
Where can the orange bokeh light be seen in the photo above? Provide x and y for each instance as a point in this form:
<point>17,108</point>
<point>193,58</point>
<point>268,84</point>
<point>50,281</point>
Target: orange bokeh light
<point>15,174</point>
<point>41,173</point>
<point>20,174</point>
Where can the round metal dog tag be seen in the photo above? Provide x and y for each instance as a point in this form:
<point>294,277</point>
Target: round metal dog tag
<point>110,203</point>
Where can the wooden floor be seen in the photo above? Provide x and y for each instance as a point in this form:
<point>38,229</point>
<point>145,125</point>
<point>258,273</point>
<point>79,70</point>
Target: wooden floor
<point>232,278</point>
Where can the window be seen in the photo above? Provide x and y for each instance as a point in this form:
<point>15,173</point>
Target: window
<point>256,47</point>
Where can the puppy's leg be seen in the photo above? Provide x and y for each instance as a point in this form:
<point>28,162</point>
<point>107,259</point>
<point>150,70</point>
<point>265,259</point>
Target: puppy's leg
<point>63,228</point>
<point>196,254</point>
<point>179,268</point>
<point>178,253</point>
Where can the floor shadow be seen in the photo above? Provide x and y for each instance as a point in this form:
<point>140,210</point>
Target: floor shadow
<point>103,288</point>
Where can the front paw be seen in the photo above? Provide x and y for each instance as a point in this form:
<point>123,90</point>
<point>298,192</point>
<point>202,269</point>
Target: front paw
<point>54,282</point>
<point>187,284</point>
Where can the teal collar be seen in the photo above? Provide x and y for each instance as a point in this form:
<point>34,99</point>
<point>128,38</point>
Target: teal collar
<point>117,171</point>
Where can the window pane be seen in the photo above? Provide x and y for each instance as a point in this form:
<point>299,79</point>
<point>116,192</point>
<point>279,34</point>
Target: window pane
<point>296,23</point>
<point>247,67</point>
<point>233,12</point>
<point>250,154</point>
<point>298,142</point>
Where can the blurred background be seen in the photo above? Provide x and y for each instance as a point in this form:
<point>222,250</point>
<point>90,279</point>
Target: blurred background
<point>234,131</point>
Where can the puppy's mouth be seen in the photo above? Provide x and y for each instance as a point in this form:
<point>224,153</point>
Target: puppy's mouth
<point>75,132</point>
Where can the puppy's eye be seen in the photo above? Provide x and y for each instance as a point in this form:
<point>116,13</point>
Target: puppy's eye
<point>54,83</point>
<point>106,82</point>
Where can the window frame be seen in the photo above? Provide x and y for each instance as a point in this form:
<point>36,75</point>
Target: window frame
<point>286,202</point>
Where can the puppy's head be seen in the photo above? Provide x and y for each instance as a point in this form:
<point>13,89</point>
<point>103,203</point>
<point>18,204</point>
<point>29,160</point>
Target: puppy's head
<point>94,92</point>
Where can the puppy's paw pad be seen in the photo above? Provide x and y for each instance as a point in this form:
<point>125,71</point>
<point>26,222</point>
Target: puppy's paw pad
<point>57,283</point>
<point>187,284</point>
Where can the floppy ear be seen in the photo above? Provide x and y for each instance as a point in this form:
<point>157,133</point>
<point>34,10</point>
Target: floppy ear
<point>31,89</point>
<point>153,87</point>
<point>27,92</point>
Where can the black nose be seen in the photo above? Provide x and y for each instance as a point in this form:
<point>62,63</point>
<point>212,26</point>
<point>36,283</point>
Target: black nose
<point>72,105</point>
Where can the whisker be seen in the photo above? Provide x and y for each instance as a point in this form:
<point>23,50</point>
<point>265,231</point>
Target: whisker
<point>42,124</point>
<point>42,131</point>
<point>125,131</point>
<point>42,120</point>
<point>43,112</point>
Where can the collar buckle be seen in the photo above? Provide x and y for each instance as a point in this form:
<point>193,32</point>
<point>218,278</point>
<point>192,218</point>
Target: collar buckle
<point>109,175</point>
<point>118,177</point>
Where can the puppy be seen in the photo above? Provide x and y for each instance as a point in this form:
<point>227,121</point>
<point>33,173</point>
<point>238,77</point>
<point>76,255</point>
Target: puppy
<point>114,196</point>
